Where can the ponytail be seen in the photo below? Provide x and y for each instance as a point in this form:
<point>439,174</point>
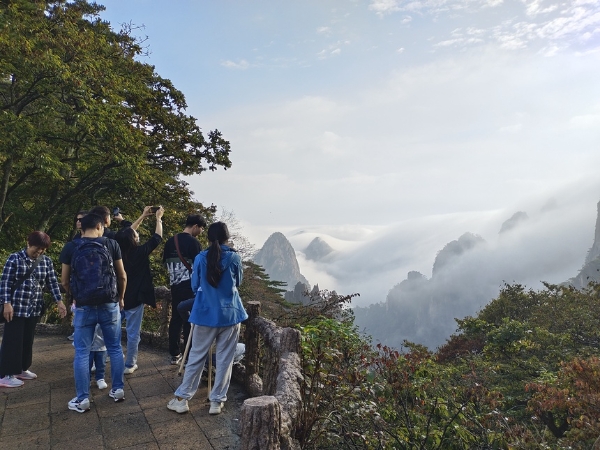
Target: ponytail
<point>217,234</point>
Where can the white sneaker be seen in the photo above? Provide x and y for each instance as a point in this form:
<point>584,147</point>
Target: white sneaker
<point>179,406</point>
<point>26,375</point>
<point>93,369</point>
<point>215,407</point>
<point>10,381</point>
<point>101,384</point>
<point>117,394</point>
<point>80,407</point>
<point>129,370</point>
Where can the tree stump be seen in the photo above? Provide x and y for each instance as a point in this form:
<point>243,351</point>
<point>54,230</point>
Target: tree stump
<point>261,423</point>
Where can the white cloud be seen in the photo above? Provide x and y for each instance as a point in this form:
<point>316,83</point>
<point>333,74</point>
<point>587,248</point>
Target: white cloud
<point>242,64</point>
<point>587,121</point>
<point>547,23</point>
<point>534,7</point>
<point>511,128</point>
<point>383,7</point>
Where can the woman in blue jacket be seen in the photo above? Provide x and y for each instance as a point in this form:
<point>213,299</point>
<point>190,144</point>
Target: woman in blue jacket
<point>216,314</point>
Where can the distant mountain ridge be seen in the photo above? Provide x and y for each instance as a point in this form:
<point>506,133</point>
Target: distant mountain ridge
<point>278,258</point>
<point>467,273</point>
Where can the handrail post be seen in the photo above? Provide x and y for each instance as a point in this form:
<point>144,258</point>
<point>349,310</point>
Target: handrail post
<point>252,339</point>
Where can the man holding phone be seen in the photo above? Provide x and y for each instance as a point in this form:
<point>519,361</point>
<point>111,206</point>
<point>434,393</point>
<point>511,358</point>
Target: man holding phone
<point>178,256</point>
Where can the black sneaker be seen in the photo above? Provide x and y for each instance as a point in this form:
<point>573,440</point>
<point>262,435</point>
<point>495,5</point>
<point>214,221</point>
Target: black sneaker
<point>175,360</point>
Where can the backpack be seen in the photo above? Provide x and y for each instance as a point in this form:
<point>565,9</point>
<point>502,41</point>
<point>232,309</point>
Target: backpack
<point>93,280</point>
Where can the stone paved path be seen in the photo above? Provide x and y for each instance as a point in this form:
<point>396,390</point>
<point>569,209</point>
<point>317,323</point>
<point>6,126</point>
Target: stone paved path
<point>35,416</point>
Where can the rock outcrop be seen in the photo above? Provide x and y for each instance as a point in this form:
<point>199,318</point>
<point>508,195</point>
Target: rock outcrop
<point>278,258</point>
<point>516,219</point>
<point>590,272</point>
<point>317,249</point>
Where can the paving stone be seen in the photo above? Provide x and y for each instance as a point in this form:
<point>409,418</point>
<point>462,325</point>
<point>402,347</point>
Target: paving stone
<point>144,446</point>
<point>31,440</point>
<point>148,386</point>
<point>90,442</point>
<point>31,393</point>
<point>126,430</point>
<point>180,433</point>
<point>36,416</point>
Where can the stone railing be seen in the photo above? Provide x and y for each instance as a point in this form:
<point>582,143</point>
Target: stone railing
<point>269,417</point>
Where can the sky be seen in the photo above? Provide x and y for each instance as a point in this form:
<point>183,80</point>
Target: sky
<point>390,128</point>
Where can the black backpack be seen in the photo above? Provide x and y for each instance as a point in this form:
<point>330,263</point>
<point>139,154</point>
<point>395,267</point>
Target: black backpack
<point>93,280</point>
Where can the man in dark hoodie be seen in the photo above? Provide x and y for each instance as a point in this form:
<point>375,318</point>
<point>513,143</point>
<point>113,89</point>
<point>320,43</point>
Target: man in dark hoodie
<point>179,264</point>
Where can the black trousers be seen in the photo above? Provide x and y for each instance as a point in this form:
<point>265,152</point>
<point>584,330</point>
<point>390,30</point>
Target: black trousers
<point>16,352</point>
<point>177,324</point>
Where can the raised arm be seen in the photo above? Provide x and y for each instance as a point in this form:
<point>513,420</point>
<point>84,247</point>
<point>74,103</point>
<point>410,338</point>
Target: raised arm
<point>159,227</point>
<point>147,212</point>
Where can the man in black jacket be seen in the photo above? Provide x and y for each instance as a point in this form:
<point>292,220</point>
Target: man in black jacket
<point>179,264</point>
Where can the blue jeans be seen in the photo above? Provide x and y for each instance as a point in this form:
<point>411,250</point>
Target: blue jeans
<point>86,318</point>
<point>98,358</point>
<point>133,325</point>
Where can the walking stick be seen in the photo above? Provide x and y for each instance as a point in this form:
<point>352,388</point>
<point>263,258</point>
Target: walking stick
<point>210,353</point>
<point>187,350</point>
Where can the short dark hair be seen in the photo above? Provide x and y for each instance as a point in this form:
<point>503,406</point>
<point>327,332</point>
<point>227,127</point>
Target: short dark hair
<point>101,211</point>
<point>38,239</point>
<point>195,219</point>
<point>91,221</point>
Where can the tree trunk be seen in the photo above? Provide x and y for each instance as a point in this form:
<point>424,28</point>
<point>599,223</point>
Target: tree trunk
<point>261,423</point>
<point>6,171</point>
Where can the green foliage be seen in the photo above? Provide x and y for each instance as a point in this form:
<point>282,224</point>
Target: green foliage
<point>83,122</point>
<point>523,374</point>
<point>333,362</point>
<point>320,304</point>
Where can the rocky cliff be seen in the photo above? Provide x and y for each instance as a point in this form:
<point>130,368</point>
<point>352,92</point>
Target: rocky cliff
<point>591,268</point>
<point>278,258</point>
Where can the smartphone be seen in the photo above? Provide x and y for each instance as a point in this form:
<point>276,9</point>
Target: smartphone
<point>154,208</point>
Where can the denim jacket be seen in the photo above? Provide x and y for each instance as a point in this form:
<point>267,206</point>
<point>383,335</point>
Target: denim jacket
<point>220,306</point>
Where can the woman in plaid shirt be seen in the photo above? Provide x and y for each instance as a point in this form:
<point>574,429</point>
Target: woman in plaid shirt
<point>23,307</point>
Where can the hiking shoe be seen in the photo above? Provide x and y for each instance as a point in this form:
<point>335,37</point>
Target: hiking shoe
<point>79,406</point>
<point>26,375</point>
<point>129,370</point>
<point>179,406</point>
<point>175,360</point>
<point>101,384</point>
<point>10,381</point>
<point>215,407</point>
<point>117,394</point>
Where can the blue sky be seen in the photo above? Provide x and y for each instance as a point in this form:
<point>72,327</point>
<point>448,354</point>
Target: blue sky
<point>353,120</point>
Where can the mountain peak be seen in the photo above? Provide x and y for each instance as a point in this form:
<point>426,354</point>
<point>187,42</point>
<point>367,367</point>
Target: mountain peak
<point>317,249</point>
<point>278,258</point>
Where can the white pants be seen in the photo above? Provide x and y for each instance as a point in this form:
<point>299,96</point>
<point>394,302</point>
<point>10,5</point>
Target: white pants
<point>202,339</point>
